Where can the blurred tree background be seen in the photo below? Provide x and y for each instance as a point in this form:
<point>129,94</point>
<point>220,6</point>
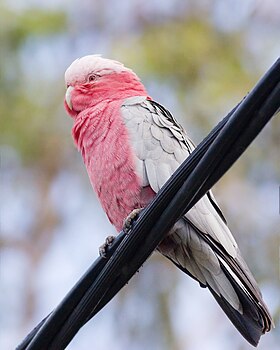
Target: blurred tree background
<point>198,58</point>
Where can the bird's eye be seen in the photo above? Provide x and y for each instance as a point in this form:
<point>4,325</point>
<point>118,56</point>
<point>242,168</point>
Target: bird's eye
<point>92,77</point>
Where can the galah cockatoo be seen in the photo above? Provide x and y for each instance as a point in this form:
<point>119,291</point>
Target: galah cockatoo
<point>131,145</point>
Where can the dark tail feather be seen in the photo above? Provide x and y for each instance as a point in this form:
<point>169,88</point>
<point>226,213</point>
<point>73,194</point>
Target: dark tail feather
<point>251,323</point>
<point>250,328</point>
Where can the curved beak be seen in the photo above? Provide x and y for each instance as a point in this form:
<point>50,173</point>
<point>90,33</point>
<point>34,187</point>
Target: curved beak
<point>68,96</point>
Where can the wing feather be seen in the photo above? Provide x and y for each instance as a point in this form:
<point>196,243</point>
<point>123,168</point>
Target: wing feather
<point>200,243</point>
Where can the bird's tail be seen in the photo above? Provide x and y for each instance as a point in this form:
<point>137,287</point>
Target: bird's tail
<point>251,318</point>
<point>255,318</point>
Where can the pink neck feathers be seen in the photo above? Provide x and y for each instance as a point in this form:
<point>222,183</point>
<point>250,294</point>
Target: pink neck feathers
<point>103,140</point>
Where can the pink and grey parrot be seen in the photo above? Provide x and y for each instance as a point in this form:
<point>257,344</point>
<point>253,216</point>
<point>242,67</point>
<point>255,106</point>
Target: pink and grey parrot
<point>131,145</point>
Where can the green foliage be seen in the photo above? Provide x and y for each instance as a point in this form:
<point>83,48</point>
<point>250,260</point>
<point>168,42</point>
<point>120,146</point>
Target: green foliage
<point>23,118</point>
<point>15,28</point>
<point>192,54</point>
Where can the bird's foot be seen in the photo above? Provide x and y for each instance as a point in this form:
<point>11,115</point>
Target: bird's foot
<point>131,218</point>
<point>103,248</point>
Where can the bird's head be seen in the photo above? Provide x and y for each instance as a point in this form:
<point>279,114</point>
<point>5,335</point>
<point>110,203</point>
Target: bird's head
<point>92,79</point>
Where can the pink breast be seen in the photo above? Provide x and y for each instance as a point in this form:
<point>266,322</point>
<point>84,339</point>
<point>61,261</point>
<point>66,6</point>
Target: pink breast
<point>109,159</point>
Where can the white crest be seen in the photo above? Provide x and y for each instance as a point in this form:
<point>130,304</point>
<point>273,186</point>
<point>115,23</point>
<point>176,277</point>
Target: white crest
<point>82,67</point>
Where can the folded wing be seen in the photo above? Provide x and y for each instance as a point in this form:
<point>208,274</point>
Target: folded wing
<point>200,243</point>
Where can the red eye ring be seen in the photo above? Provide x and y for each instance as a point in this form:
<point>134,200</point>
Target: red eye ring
<point>92,77</point>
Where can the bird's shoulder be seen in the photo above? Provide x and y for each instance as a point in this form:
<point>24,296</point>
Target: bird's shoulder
<point>140,109</point>
<point>159,142</point>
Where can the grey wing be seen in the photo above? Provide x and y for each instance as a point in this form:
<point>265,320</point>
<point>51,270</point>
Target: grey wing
<point>161,145</point>
<point>200,243</point>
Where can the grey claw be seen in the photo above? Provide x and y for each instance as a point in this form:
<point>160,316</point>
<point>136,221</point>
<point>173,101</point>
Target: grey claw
<point>103,248</point>
<point>133,216</point>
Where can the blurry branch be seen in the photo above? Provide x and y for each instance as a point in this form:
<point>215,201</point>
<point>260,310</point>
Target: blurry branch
<point>200,171</point>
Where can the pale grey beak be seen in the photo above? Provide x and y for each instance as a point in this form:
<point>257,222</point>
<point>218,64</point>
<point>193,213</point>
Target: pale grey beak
<point>68,96</point>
